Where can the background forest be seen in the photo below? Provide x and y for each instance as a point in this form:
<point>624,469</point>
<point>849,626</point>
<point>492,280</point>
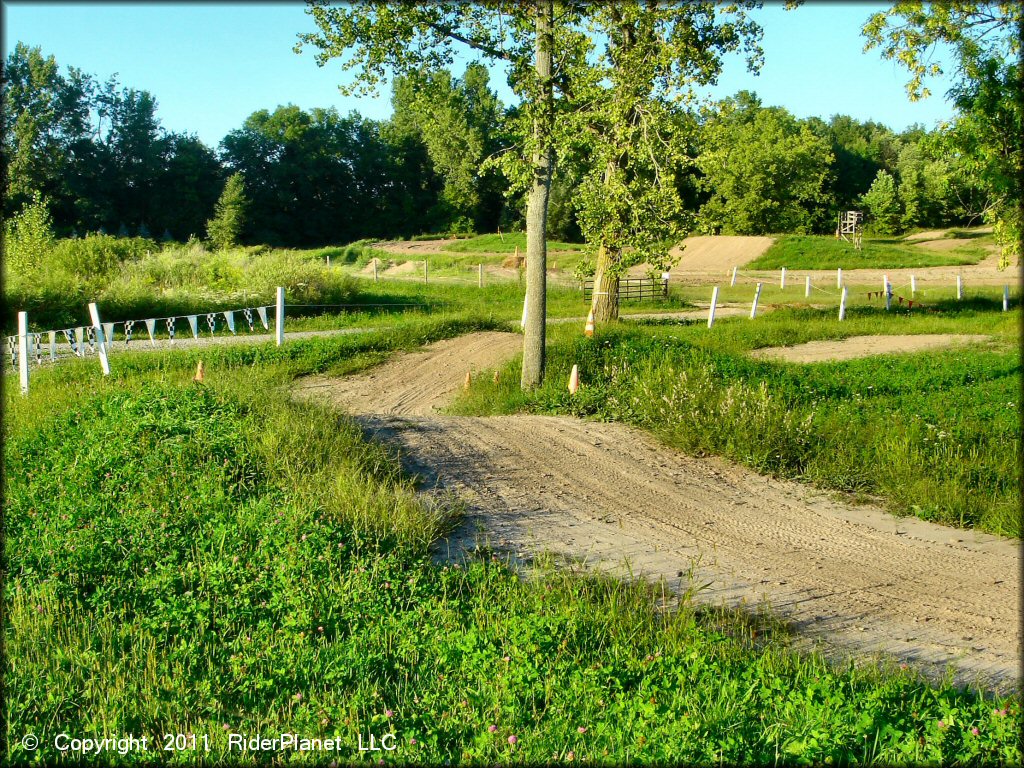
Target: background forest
<point>99,158</point>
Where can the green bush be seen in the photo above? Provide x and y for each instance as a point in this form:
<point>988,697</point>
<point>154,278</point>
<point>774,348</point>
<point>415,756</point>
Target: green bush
<point>28,238</point>
<point>95,256</point>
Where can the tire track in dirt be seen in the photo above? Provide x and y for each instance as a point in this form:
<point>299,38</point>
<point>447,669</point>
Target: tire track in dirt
<point>851,578</point>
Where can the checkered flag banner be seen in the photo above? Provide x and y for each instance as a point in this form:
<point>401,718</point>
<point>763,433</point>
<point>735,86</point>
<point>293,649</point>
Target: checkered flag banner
<point>193,322</point>
<point>169,322</point>
<point>229,315</point>
<point>108,334</point>
<point>70,335</point>
<point>91,332</point>
<point>128,325</point>
<point>80,338</point>
<point>38,344</point>
<point>263,316</point>
<point>12,347</point>
<point>211,322</point>
<point>151,329</point>
<point>247,313</point>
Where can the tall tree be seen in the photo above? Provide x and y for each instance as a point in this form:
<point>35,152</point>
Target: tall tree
<point>376,37</point>
<point>627,100</point>
<point>226,226</point>
<point>766,171</point>
<point>458,121</point>
<point>985,41</point>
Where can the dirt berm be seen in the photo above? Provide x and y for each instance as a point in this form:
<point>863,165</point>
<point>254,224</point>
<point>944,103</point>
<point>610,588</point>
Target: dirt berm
<point>851,578</point>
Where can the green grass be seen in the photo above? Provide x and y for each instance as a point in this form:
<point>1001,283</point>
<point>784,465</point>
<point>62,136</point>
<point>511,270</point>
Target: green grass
<point>213,559</point>
<point>934,434</point>
<point>825,252</point>
<point>506,244</point>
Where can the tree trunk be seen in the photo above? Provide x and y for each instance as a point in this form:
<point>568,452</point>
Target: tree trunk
<point>605,300</point>
<point>537,202</point>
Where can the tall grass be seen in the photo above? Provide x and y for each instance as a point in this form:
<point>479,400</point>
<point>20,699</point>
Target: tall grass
<point>133,278</point>
<point>217,559</point>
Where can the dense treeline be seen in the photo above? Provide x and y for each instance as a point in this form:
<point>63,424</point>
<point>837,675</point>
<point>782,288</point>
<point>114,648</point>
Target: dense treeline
<point>97,154</point>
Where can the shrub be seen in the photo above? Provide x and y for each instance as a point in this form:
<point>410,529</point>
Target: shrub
<point>28,237</point>
<point>96,256</point>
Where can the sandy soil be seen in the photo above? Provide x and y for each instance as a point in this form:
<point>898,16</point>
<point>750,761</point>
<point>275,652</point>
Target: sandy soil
<point>933,234</point>
<point>716,255</point>
<point>849,578</point>
<point>942,244</point>
<point>409,248</point>
<point>864,346</point>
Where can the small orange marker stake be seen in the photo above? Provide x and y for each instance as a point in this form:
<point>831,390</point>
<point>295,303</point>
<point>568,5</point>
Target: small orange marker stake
<point>468,381</point>
<point>589,330</point>
<point>574,380</point>
<point>199,373</point>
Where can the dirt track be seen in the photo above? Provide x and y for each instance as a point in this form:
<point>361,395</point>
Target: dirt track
<point>865,346</point>
<point>853,578</point>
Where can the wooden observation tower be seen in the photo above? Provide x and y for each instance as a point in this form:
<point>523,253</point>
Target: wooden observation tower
<point>851,228</point>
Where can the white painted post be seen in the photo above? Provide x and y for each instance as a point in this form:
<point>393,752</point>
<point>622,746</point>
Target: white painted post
<point>53,346</point>
<point>101,344</point>
<point>807,287</point>
<point>885,283</point>
<point>480,275</point>
<point>280,316</point>
<point>842,305</point>
<point>375,269</point>
<point>839,277</point>
<point>959,288</point>
<point>1006,298</point>
<point>913,286</point>
<point>733,281</point>
<point>711,311</point>
<point>888,297</point>
<point>782,280</point>
<point>753,307</point>
<point>23,351</point>
<point>424,270</point>
<point>328,259</point>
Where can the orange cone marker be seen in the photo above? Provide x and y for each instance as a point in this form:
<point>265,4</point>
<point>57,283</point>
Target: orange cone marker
<point>199,373</point>
<point>589,330</point>
<point>574,380</point>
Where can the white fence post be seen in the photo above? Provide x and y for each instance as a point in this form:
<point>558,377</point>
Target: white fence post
<point>101,344</point>
<point>280,316</point>
<point>375,269</point>
<point>807,287</point>
<point>733,281</point>
<point>480,275</point>
<point>1006,298</point>
<point>424,270</point>
<point>959,288</point>
<point>913,286</point>
<point>714,302</point>
<point>753,307</point>
<point>888,297</point>
<point>23,351</point>
<point>782,280</point>
<point>842,305</point>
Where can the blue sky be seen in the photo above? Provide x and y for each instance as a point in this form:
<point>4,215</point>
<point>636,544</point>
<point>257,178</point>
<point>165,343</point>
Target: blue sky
<point>210,65</point>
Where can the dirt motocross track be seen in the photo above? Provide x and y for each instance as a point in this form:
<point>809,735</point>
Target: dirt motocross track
<point>851,578</point>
